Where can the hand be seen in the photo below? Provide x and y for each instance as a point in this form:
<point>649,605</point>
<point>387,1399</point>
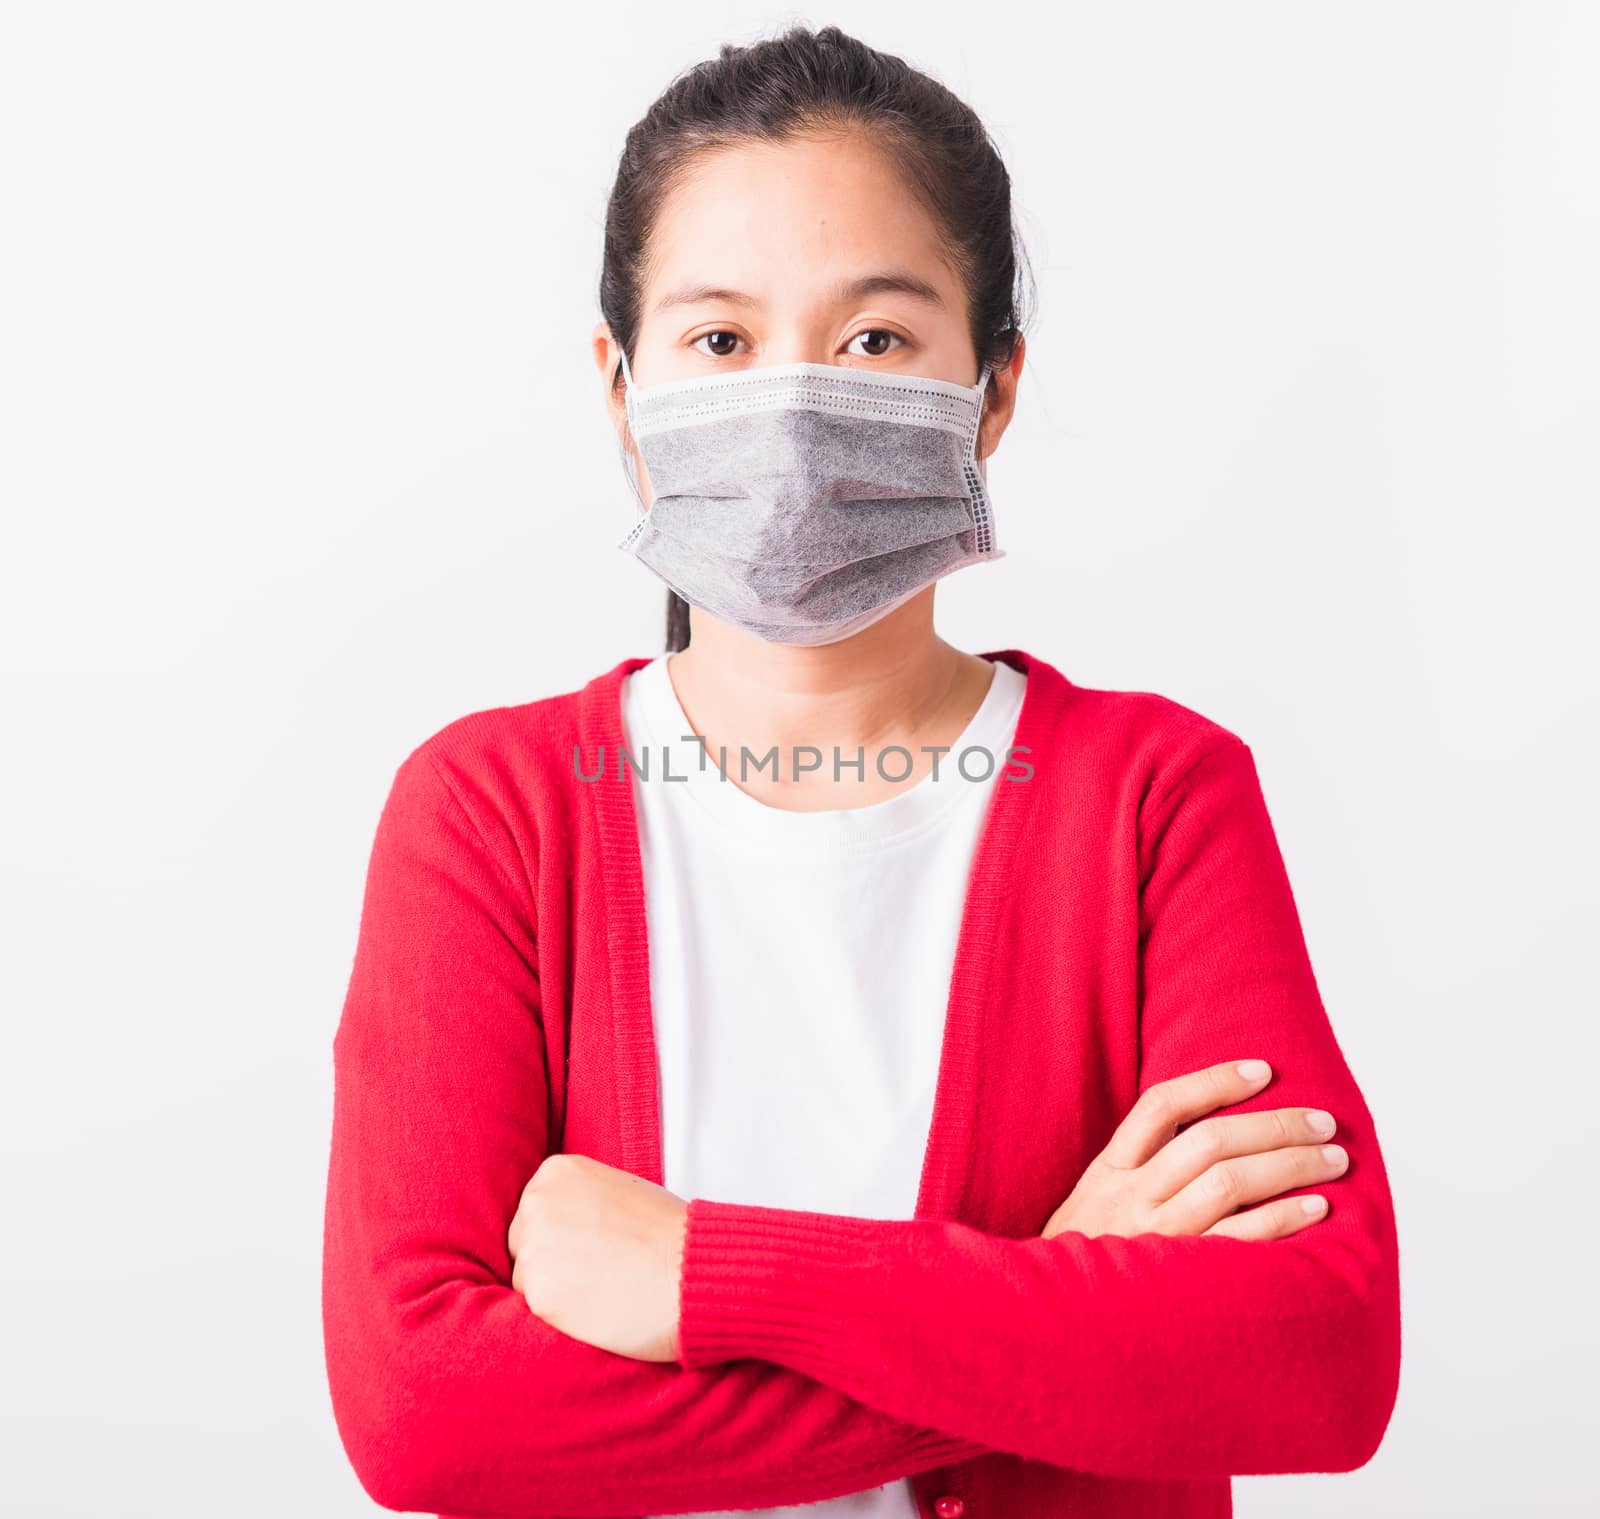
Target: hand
<point>1146,1181</point>
<point>598,1253</point>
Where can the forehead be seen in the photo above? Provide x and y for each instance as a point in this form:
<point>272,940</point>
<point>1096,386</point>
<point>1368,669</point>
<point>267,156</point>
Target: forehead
<point>794,220</point>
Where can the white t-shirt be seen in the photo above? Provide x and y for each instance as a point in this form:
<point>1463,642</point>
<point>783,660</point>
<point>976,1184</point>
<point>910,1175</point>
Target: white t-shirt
<point>799,974</point>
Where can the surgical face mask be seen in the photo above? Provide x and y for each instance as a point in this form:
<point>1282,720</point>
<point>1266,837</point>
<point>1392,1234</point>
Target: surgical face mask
<point>803,502</point>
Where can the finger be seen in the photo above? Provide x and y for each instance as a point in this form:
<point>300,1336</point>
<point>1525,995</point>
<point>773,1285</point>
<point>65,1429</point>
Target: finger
<point>1203,1144</point>
<point>1161,1108</point>
<point>1274,1220</point>
<point>1244,1180</point>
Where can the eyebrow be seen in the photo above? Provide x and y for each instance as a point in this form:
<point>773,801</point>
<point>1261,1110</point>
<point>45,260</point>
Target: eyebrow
<point>891,282</point>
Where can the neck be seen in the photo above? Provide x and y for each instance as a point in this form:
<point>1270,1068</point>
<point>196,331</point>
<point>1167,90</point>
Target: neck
<point>893,679</point>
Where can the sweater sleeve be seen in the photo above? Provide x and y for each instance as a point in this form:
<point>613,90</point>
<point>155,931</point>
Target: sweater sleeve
<point>1146,1357</point>
<point>449,1394</point>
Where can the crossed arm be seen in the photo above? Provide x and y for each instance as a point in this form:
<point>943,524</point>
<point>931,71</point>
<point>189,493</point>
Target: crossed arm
<point>879,1347</point>
<point>450,1396</point>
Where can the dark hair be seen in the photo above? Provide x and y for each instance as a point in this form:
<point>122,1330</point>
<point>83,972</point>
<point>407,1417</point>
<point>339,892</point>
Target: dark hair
<point>806,80</point>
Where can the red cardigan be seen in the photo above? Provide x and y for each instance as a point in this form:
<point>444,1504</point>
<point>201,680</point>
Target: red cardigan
<point>1128,919</point>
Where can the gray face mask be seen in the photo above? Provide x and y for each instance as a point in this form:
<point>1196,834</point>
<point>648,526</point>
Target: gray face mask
<point>802,502</point>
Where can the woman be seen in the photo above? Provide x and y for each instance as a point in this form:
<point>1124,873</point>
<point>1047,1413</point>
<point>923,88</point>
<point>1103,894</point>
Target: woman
<point>715,1132</point>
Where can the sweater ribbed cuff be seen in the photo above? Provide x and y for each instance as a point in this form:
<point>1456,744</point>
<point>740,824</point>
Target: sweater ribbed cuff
<point>758,1280</point>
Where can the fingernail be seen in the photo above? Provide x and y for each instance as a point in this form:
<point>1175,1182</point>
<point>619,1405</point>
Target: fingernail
<point>1313,1204</point>
<point>1319,1122</point>
<point>1254,1070</point>
<point>1334,1154</point>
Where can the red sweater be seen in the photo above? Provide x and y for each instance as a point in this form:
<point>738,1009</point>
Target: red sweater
<point>1128,919</point>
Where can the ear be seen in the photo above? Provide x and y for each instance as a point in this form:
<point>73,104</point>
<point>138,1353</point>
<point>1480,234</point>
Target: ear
<point>608,361</point>
<point>1000,400</point>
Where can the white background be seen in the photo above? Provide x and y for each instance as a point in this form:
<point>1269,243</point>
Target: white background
<point>304,456</point>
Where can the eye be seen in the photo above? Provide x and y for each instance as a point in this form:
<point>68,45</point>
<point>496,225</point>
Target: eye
<point>723,352</point>
<point>878,350</point>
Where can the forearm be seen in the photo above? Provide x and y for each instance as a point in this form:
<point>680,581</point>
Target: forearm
<point>1151,1357</point>
<point>457,1399</point>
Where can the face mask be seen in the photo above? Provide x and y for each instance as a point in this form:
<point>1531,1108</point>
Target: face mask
<point>803,502</point>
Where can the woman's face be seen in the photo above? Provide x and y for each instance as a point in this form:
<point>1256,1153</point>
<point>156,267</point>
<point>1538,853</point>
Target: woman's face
<point>810,250</point>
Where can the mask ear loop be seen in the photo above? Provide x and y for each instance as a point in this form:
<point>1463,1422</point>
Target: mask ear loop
<point>627,377</point>
<point>983,390</point>
<point>630,465</point>
<point>977,474</point>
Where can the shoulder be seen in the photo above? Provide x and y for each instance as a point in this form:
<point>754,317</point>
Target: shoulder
<point>1140,744</point>
<point>516,760</point>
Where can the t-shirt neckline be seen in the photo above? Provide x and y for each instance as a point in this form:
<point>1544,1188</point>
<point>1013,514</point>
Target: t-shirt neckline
<point>652,700</point>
